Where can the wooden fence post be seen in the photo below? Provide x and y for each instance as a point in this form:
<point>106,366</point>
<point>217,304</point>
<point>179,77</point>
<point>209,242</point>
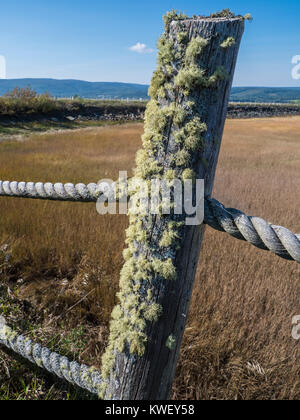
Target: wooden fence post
<point>183,131</point>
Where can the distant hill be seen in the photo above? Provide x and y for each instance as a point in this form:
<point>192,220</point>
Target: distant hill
<point>69,88</point>
<point>265,94</point>
<point>111,90</point>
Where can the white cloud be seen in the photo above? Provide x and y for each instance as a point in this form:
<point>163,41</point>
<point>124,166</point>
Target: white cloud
<point>141,48</point>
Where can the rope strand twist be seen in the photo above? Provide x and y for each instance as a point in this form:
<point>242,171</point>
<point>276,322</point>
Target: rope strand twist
<point>74,373</point>
<point>255,230</point>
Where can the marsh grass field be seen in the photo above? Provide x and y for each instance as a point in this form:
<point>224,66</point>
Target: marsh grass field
<point>60,264</point>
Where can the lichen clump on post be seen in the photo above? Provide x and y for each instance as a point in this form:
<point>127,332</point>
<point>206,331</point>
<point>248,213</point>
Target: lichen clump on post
<point>171,121</point>
<point>171,342</point>
<point>227,13</point>
<point>229,42</point>
<point>248,16</point>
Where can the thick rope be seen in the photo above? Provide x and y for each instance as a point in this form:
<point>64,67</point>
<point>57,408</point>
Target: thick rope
<point>49,191</point>
<point>258,232</point>
<point>81,375</point>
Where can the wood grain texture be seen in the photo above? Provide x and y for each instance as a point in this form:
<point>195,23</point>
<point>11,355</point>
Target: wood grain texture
<point>150,377</point>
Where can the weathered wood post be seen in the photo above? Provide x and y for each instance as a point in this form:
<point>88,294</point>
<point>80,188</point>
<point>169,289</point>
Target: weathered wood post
<point>183,131</point>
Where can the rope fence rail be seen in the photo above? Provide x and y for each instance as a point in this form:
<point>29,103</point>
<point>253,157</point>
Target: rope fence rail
<point>81,375</point>
<point>48,191</point>
<point>277,239</point>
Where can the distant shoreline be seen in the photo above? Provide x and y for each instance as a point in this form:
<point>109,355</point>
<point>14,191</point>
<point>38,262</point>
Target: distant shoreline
<point>114,111</point>
<point>68,88</point>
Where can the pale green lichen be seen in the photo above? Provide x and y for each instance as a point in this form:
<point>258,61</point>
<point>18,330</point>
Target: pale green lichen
<point>39,362</point>
<point>189,78</point>
<point>153,312</point>
<point>225,13</point>
<point>194,130</point>
<point>146,166</point>
<point>170,175</point>
<point>102,390</point>
<point>229,42</point>
<point>129,319</point>
<point>7,333</point>
<point>180,115</point>
<point>182,158</point>
<point>127,254</point>
<point>166,269</point>
<point>190,135</point>
<point>195,49</point>
<point>182,37</point>
<point>166,53</point>
<point>193,143</point>
<point>188,174</point>
<point>171,342</point>
<point>170,235</point>
<point>171,16</point>
<point>248,16</point>
<point>158,81</point>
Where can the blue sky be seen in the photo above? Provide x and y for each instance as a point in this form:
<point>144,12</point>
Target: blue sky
<point>91,39</point>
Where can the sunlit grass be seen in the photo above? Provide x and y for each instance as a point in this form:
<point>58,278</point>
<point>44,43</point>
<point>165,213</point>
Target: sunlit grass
<point>244,299</point>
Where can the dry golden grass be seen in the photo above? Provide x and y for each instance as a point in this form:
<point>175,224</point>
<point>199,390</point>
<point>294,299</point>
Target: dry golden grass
<point>238,342</point>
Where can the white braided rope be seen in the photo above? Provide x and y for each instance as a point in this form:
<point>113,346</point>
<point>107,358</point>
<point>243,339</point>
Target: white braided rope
<point>81,375</point>
<point>257,231</point>
<point>49,191</point>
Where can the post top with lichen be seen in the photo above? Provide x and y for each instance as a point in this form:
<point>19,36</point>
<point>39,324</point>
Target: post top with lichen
<point>224,15</point>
